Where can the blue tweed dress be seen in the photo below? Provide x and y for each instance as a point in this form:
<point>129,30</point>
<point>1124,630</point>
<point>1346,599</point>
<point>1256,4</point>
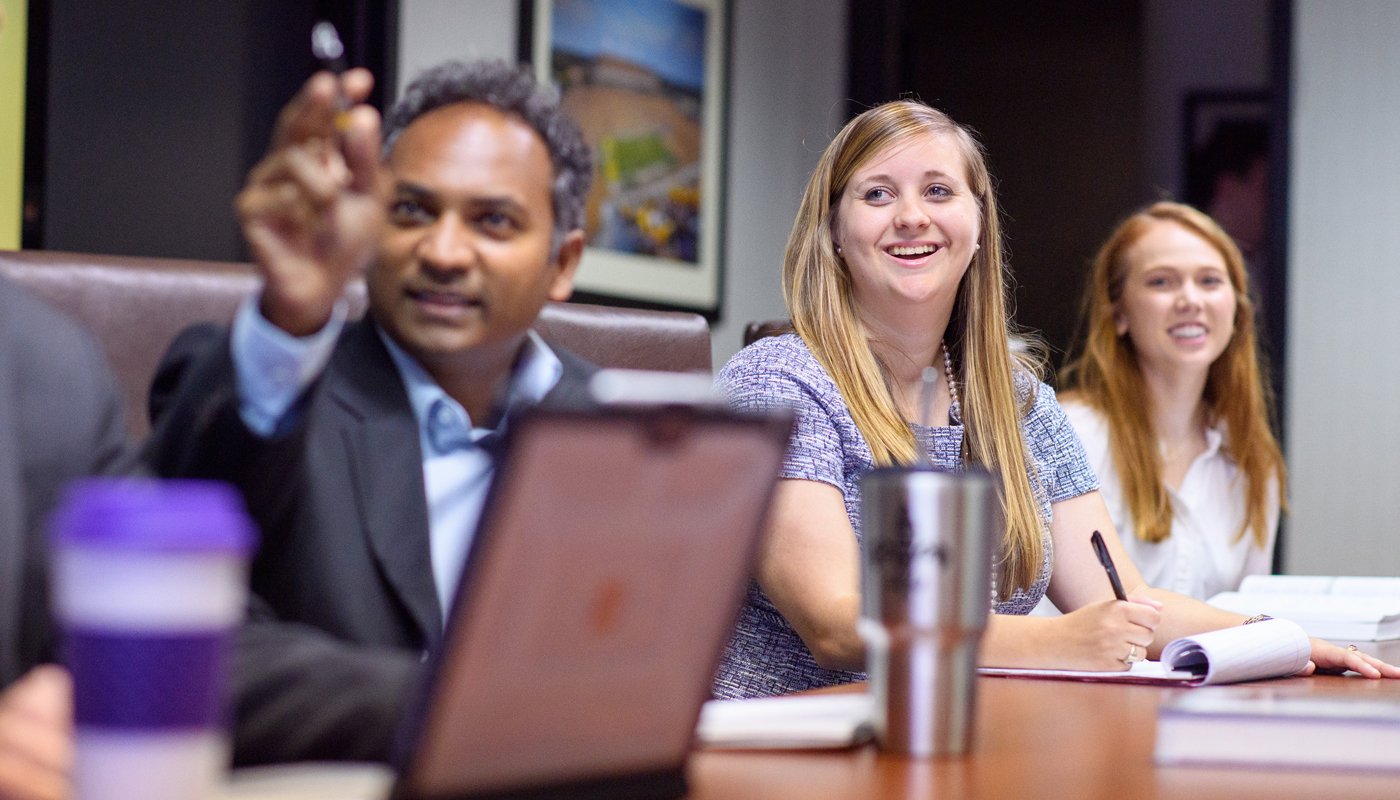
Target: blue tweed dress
<point>766,656</point>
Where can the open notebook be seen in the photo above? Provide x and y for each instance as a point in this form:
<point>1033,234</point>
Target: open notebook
<point>1270,649</point>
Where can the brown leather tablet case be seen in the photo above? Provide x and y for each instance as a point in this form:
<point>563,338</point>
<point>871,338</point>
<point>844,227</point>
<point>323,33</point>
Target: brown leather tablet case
<point>612,558</point>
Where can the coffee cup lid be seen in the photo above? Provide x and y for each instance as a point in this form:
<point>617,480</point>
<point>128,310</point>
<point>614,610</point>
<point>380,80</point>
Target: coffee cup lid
<point>153,516</point>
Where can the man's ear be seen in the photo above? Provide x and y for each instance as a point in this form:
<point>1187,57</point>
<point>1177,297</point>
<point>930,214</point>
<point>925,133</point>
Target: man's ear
<point>566,265</point>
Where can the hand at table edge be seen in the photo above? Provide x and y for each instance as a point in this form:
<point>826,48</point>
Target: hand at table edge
<point>1329,659</point>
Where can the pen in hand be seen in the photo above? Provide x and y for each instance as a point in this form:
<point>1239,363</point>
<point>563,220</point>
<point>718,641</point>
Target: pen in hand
<point>330,52</point>
<point>1101,550</point>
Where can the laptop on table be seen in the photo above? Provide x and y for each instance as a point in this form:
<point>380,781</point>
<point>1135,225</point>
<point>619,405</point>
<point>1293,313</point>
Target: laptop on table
<point>613,555</point>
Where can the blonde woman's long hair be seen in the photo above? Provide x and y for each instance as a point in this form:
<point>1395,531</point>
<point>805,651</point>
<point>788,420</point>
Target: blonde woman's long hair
<point>1107,377</point>
<point>817,287</point>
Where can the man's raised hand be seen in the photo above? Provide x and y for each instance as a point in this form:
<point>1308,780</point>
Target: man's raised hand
<point>313,209</point>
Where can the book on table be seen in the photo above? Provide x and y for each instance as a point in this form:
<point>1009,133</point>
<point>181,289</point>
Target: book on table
<point>1278,726</point>
<point>1363,611</point>
<point>1270,649</point>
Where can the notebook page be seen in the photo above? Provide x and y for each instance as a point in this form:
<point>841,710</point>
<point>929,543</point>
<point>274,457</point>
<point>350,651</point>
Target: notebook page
<point>1268,649</point>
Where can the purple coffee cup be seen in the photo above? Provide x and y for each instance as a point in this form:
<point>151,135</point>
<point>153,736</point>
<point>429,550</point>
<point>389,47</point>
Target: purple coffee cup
<point>150,581</point>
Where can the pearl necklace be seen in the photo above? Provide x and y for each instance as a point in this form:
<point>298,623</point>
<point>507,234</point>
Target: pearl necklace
<point>954,408</point>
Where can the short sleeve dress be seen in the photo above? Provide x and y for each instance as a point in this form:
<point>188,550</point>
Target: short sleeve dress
<point>765,656</point>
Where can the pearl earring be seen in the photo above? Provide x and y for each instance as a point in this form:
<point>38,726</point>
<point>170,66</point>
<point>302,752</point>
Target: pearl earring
<point>838,249</point>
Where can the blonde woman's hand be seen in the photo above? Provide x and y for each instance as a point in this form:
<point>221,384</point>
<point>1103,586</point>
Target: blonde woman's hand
<point>1100,636</point>
<point>1330,659</point>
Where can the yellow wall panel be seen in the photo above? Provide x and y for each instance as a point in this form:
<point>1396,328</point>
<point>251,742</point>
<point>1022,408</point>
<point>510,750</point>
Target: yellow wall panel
<point>13,40</point>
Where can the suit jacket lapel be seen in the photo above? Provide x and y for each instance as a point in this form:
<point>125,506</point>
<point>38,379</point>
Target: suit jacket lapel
<point>572,390</point>
<point>13,536</point>
<point>386,464</point>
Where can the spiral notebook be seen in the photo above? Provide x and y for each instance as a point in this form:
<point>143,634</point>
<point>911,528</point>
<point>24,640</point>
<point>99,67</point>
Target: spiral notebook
<point>1271,649</point>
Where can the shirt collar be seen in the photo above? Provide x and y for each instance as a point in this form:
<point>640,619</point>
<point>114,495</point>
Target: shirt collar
<point>1215,437</point>
<point>537,370</point>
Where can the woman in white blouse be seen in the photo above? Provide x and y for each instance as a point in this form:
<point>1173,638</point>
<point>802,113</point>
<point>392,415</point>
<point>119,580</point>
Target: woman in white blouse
<point>1172,405</point>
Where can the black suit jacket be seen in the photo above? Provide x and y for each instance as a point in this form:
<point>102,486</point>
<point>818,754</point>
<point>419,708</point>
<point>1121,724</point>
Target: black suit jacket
<point>345,606</point>
<point>60,419</point>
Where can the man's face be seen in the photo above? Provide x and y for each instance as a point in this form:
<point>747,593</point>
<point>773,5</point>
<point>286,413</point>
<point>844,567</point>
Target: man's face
<point>464,263</point>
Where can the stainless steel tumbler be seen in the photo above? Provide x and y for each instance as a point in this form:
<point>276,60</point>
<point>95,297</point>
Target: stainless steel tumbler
<point>929,539</point>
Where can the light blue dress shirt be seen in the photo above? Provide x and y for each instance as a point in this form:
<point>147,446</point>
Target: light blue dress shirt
<point>273,368</point>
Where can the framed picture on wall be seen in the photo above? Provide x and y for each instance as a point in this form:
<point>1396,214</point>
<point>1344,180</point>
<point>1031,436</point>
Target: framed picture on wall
<point>1224,133</point>
<point>1237,172</point>
<point>1228,157</point>
<point>645,80</point>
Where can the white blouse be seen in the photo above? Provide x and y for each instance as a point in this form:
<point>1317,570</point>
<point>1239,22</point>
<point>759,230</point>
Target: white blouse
<point>1205,554</point>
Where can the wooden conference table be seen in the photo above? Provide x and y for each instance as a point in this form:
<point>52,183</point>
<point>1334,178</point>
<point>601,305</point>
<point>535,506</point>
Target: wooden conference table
<point>1035,739</point>
<point>1038,739</point>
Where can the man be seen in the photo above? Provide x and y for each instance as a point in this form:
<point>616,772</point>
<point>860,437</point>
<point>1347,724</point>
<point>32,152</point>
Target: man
<point>60,419</point>
<point>364,450</point>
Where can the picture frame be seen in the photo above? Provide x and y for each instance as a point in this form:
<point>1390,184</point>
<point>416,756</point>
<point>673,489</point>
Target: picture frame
<point>1237,118</point>
<point>1235,169</point>
<point>647,81</point>
<point>1227,147</point>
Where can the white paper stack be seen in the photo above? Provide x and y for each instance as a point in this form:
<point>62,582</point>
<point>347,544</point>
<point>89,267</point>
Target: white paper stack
<point>1344,610</point>
<point>799,722</point>
<point>309,781</point>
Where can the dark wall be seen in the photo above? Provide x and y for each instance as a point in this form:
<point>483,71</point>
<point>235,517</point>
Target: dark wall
<point>155,111</point>
<point>145,127</point>
<point>1052,87</point>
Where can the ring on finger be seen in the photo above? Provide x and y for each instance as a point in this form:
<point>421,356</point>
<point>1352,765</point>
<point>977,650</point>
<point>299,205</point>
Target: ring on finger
<point>1132,657</point>
<point>1353,648</point>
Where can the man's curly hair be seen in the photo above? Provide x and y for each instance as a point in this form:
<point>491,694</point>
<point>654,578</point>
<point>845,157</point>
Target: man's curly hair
<point>512,90</point>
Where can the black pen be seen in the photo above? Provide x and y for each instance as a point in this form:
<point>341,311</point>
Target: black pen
<point>1101,550</point>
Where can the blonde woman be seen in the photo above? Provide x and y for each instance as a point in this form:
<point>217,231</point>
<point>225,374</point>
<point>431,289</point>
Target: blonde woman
<point>895,264</point>
<point>1171,405</point>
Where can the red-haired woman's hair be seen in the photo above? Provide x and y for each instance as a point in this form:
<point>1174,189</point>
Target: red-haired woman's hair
<point>1107,377</point>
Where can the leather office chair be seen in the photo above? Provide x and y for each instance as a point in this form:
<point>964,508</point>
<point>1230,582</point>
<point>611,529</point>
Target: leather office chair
<point>136,306</point>
<point>758,330</point>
